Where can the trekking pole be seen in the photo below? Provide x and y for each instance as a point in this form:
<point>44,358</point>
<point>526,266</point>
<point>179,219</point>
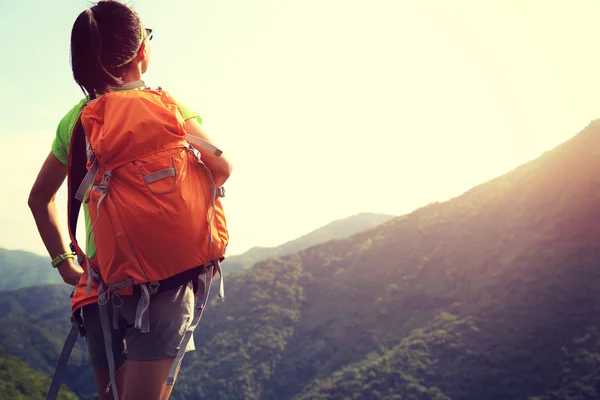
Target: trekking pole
<point>61,364</point>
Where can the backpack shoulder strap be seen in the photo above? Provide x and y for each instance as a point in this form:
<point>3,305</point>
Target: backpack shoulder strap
<point>195,140</point>
<point>76,172</point>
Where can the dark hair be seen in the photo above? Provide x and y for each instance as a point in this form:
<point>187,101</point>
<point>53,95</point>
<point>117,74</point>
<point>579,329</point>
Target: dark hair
<point>103,39</point>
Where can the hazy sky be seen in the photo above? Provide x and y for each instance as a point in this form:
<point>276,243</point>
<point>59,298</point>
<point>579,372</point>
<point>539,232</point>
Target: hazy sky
<point>327,108</point>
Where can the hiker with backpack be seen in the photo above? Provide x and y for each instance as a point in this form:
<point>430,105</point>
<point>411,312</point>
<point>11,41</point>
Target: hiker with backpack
<point>150,182</point>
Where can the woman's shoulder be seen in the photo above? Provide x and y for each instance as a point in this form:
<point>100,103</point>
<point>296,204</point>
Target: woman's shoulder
<point>68,121</point>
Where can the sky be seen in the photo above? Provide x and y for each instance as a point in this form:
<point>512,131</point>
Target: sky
<point>326,108</point>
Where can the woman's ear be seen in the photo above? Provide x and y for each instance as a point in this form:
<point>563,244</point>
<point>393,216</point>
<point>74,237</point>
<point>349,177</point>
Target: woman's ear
<point>144,56</point>
<point>143,52</point>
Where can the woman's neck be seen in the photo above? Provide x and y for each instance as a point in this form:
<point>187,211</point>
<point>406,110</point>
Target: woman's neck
<point>132,74</point>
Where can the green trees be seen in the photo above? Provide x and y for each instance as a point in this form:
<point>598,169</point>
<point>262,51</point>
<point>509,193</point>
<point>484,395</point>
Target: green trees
<point>19,382</point>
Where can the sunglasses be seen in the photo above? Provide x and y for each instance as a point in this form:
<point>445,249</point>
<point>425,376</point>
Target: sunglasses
<point>149,34</point>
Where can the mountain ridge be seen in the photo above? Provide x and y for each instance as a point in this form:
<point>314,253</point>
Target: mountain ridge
<point>337,229</point>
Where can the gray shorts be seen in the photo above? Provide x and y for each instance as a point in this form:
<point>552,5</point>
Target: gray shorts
<point>170,314</point>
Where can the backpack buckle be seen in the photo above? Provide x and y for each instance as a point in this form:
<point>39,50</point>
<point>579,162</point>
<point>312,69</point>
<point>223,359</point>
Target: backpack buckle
<point>103,186</point>
<point>153,287</point>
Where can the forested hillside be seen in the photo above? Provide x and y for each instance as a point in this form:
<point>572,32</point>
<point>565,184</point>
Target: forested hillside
<point>490,295</point>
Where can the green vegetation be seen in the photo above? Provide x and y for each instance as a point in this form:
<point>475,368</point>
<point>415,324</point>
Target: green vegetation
<point>492,295</point>
<point>19,382</point>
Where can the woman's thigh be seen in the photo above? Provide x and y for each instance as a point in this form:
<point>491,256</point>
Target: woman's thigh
<point>170,314</point>
<point>151,355</point>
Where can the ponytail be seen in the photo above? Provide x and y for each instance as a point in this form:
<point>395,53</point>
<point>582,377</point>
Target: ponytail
<point>102,37</point>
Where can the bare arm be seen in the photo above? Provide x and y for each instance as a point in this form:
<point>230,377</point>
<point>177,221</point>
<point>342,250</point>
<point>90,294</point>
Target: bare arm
<point>43,207</point>
<point>220,167</point>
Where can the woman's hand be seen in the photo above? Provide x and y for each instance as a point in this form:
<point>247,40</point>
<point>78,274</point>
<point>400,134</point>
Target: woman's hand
<point>70,272</point>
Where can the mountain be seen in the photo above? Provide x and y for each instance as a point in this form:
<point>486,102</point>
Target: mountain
<point>338,229</point>
<point>19,382</point>
<point>491,295</point>
<point>20,269</point>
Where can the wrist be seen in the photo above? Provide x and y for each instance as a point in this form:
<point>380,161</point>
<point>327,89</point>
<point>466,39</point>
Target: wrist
<point>57,261</point>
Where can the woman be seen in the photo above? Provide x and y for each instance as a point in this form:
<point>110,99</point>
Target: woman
<point>110,50</point>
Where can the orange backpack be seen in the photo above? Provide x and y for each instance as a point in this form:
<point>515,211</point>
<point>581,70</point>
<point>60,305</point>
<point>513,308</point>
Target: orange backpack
<point>156,213</point>
<point>154,208</point>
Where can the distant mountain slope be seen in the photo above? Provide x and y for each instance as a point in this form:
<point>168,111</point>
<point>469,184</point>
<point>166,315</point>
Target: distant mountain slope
<point>491,295</point>
<point>339,229</point>
<point>20,269</point>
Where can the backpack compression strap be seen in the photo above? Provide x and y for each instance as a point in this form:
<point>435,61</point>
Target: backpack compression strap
<point>204,144</point>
